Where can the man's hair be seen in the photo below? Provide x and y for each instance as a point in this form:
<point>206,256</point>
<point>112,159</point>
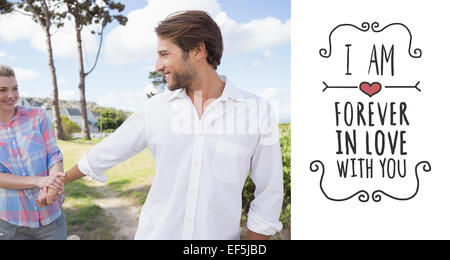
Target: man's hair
<point>188,29</point>
<point>6,71</point>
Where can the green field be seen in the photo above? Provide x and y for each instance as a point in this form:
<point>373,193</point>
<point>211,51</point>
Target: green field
<point>132,180</point>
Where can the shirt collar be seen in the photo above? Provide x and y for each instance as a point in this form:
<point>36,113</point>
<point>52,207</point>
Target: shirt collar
<point>229,91</point>
<point>22,111</point>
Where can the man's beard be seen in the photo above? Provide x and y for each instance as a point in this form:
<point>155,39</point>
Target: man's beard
<point>183,78</point>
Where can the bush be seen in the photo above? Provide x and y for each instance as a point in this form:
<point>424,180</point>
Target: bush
<point>249,186</point>
<point>69,127</point>
<point>107,123</point>
<point>111,118</point>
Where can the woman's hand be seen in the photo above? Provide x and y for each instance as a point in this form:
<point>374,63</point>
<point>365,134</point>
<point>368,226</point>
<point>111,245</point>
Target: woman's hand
<point>50,181</point>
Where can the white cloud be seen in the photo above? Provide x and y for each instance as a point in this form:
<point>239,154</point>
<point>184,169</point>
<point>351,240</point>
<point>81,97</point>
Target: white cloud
<point>25,74</point>
<point>23,93</point>
<point>269,93</point>
<point>137,41</point>
<point>256,63</point>
<point>16,26</point>
<point>267,54</point>
<point>67,94</point>
<point>258,34</point>
<point>2,54</point>
<point>127,100</point>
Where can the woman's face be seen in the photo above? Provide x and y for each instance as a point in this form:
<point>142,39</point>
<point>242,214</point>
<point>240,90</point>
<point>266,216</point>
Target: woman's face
<point>9,93</point>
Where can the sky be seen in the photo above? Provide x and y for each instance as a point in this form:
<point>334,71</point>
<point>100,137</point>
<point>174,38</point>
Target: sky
<point>256,54</point>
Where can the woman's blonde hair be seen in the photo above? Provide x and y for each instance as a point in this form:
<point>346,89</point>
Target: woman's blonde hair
<point>6,71</point>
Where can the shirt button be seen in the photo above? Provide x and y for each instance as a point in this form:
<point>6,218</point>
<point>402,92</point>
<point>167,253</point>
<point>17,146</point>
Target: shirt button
<point>2,234</point>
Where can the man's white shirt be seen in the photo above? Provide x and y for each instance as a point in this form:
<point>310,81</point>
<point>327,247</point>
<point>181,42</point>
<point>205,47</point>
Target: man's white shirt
<point>201,164</point>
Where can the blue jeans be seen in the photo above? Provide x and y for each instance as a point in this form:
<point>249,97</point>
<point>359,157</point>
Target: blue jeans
<point>56,230</point>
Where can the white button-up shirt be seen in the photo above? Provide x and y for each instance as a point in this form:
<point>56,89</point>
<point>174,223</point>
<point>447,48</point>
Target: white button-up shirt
<point>201,164</point>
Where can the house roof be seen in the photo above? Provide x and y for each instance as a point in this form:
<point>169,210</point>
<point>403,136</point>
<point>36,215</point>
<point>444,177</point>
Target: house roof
<point>73,111</point>
<point>34,103</point>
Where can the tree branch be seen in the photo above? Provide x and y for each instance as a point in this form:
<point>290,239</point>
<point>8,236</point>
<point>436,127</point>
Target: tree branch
<point>23,13</point>
<point>98,51</point>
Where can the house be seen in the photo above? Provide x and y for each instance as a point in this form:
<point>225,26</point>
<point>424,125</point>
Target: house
<point>74,114</point>
<point>29,102</point>
<point>93,121</point>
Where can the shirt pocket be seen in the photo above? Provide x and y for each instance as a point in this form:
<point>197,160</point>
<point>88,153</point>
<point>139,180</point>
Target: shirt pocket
<point>33,143</point>
<point>34,154</point>
<point>231,162</point>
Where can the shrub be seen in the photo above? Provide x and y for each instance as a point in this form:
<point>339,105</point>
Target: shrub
<point>69,127</point>
<point>107,123</point>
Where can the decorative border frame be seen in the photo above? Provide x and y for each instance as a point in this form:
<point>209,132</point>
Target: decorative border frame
<point>365,28</point>
<point>364,196</point>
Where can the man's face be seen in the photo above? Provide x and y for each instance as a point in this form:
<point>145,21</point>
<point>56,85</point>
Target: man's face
<point>175,64</point>
<point>9,93</point>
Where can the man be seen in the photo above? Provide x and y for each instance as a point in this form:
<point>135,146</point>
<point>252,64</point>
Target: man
<point>205,135</point>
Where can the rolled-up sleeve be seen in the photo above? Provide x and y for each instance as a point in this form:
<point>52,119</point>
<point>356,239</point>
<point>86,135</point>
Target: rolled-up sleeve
<point>267,174</point>
<point>128,140</point>
<point>54,155</point>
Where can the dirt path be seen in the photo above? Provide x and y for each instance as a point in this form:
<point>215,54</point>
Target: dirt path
<point>125,213</point>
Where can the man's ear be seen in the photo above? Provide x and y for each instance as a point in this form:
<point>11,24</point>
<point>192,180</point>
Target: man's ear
<point>199,52</point>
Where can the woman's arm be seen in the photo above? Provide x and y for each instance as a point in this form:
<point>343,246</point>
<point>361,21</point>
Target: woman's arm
<point>15,182</point>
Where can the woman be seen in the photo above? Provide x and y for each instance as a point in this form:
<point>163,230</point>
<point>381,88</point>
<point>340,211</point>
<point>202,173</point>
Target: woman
<point>30,163</point>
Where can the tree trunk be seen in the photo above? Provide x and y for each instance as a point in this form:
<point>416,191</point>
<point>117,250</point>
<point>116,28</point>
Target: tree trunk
<point>55,100</point>
<point>81,86</point>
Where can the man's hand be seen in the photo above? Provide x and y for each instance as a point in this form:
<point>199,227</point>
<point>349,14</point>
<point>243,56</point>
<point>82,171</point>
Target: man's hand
<point>53,195</point>
<point>41,201</point>
<point>49,194</point>
<point>255,236</point>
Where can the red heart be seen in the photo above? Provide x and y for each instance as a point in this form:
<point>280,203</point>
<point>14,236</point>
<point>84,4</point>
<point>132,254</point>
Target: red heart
<point>370,89</point>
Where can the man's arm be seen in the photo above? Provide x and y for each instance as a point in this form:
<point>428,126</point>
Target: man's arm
<point>73,174</point>
<point>126,141</point>
<point>267,174</point>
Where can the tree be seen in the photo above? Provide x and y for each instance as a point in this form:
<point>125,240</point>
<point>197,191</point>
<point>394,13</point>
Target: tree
<point>107,123</point>
<point>111,118</point>
<point>43,12</point>
<point>85,13</point>
<point>6,7</point>
<point>159,83</point>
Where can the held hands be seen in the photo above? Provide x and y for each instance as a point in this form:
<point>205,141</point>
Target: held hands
<point>52,187</point>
